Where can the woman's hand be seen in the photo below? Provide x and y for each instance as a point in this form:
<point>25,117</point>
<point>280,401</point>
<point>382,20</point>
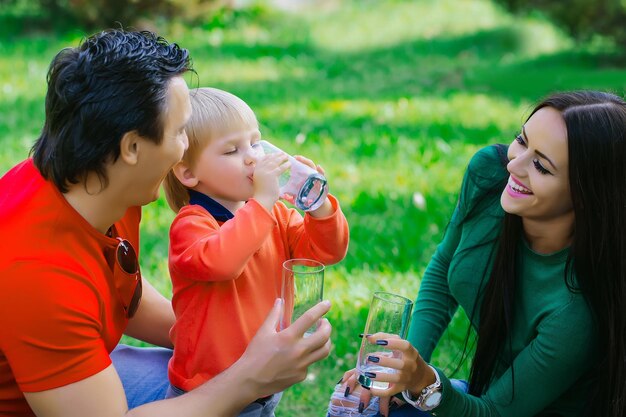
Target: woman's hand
<point>412,372</point>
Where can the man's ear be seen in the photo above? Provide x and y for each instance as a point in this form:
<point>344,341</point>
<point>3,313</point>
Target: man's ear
<point>129,147</point>
<point>185,175</point>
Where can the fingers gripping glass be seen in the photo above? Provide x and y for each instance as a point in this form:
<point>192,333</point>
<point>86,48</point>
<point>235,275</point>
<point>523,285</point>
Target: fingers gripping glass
<point>129,285</point>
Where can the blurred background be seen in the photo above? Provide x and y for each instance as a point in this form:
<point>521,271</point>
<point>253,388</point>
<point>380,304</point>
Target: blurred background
<point>391,97</point>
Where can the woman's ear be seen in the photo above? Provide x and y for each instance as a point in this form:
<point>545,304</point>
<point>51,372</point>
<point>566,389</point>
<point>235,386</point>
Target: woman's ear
<point>129,147</point>
<point>185,175</point>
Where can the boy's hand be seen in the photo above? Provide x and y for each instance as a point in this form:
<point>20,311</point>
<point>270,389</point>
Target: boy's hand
<point>268,169</point>
<point>326,209</point>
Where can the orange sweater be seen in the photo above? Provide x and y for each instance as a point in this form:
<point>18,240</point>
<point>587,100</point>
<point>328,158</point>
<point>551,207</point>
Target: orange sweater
<point>227,275</point>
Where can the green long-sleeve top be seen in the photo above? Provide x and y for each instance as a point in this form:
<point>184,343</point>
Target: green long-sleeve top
<point>552,333</point>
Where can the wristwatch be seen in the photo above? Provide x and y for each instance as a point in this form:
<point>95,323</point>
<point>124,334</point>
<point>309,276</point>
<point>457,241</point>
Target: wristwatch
<point>429,397</point>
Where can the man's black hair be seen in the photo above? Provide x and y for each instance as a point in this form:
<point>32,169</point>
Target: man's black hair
<point>114,82</point>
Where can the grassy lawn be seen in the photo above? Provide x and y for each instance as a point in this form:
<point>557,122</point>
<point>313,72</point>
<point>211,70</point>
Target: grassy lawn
<point>391,97</point>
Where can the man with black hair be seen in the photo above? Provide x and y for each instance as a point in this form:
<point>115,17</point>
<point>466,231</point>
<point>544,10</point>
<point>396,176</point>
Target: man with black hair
<point>70,284</point>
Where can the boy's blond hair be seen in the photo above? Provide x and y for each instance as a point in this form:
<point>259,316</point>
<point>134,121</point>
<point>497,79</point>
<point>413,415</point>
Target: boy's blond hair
<point>215,113</point>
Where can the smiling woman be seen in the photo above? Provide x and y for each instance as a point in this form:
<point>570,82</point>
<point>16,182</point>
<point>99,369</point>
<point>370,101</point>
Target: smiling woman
<point>540,195</point>
<point>535,254</point>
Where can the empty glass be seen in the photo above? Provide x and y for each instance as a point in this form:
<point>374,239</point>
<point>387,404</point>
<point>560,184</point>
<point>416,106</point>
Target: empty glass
<point>303,287</point>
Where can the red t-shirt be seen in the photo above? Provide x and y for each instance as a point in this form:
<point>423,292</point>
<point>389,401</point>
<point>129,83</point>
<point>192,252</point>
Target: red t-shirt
<point>60,315</point>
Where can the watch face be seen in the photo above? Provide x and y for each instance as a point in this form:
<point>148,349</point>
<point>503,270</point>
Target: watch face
<point>433,399</point>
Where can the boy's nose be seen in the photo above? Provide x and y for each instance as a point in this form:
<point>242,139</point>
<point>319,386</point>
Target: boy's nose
<point>252,156</point>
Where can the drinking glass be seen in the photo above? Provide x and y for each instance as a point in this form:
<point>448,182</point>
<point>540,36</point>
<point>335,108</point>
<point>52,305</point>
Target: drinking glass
<point>388,313</point>
<point>303,287</point>
<point>299,184</point>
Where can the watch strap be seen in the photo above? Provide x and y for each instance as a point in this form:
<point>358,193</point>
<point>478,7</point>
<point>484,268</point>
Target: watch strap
<point>424,393</point>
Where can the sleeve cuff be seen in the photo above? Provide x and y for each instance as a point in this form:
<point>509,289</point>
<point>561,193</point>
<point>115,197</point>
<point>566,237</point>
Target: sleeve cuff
<point>336,209</point>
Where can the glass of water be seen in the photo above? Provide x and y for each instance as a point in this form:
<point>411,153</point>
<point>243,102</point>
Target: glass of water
<point>388,313</point>
<point>303,287</point>
<point>301,185</point>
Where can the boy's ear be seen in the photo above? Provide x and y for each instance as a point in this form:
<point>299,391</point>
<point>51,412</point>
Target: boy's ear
<point>185,175</point>
<point>129,147</point>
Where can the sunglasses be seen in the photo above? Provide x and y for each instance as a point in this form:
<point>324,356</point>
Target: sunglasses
<point>126,262</point>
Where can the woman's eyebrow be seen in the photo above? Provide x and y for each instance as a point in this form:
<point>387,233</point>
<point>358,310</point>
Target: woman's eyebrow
<point>537,152</point>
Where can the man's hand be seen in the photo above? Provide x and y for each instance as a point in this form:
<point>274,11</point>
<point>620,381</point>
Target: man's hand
<point>275,360</point>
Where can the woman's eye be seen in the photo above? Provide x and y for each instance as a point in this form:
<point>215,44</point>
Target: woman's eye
<point>540,167</point>
<point>519,139</point>
<point>230,151</point>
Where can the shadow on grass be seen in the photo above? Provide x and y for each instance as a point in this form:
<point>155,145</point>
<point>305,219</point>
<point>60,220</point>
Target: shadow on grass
<point>392,233</point>
<point>441,66</point>
<point>17,25</point>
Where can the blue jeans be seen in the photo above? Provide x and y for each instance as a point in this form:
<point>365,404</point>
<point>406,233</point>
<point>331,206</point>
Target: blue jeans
<point>143,372</point>
<point>263,407</point>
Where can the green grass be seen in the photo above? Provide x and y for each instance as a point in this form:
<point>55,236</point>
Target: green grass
<point>391,97</point>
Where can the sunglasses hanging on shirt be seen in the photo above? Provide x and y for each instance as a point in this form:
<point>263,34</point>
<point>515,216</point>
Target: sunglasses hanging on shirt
<point>127,277</point>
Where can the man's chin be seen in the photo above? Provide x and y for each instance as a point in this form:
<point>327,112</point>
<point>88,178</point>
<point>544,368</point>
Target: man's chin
<point>154,197</point>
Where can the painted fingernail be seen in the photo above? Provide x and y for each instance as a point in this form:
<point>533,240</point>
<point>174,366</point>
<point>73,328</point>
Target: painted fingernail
<point>365,387</point>
<point>364,335</point>
<point>382,342</point>
<point>340,381</point>
<point>370,374</point>
<point>373,359</point>
<point>347,392</point>
<point>361,407</point>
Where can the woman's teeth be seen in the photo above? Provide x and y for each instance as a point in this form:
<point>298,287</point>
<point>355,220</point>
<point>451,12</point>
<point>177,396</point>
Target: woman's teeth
<point>518,188</point>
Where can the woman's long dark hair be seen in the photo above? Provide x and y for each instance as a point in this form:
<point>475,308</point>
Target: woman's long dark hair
<point>596,131</point>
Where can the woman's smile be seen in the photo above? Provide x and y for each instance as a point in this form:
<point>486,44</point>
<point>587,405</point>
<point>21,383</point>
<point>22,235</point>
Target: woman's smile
<point>516,189</point>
